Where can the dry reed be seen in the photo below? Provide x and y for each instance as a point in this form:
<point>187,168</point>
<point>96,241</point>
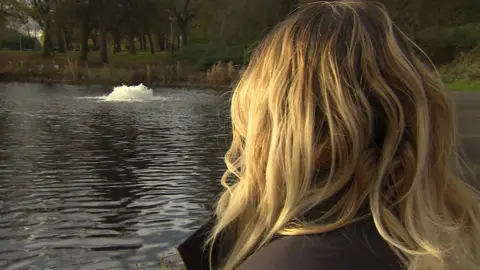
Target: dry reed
<point>223,74</point>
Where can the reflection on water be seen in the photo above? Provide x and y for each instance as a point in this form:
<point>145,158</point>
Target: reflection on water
<point>89,184</point>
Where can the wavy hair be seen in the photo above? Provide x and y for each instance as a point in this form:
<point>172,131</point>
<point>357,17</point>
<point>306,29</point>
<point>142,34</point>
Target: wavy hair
<point>338,88</point>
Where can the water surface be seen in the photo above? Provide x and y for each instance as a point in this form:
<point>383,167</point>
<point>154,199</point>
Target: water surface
<point>90,184</point>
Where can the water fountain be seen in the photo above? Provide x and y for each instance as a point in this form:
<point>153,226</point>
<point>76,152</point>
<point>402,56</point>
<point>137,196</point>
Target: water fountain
<point>130,93</point>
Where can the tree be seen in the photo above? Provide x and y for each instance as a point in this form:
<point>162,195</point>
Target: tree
<point>153,24</point>
<point>101,7</point>
<point>65,19</point>
<point>63,24</point>
<point>42,12</point>
<point>4,13</point>
<point>244,21</point>
<point>84,10</point>
<point>129,12</point>
<point>103,39</point>
<point>3,18</point>
<point>183,11</point>
<point>287,6</point>
<point>415,15</point>
<point>10,10</point>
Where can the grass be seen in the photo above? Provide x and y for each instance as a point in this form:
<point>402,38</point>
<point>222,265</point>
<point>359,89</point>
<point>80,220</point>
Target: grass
<point>462,85</point>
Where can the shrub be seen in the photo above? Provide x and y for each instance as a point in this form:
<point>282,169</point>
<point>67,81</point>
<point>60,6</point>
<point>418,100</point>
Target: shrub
<point>207,55</point>
<point>465,67</point>
<point>444,44</point>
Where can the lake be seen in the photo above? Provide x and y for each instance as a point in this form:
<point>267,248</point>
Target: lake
<point>92,184</point>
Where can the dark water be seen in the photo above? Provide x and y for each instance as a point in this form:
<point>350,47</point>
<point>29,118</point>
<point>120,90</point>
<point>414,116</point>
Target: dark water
<point>89,184</point>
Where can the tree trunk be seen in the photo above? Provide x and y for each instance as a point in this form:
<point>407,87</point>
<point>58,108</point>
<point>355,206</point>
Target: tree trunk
<point>161,43</point>
<point>93,37</point>
<point>103,41</point>
<point>131,44</point>
<point>85,36</point>
<point>143,44</point>
<point>145,41</point>
<point>140,41</point>
<point>67,37</point>
<point>60,41</point>
<point>184,33</point>
<point>150,43</point>
<point>178,43</point>
<point>117,41</point>
<point>47,40</point>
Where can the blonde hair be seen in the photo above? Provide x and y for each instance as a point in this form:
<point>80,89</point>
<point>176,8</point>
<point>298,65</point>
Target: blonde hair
<point>337,86</point>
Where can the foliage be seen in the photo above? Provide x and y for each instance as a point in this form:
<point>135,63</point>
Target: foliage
<point>206,55</point>
<point>202,32</point>
<point>466,67</point>
<point>443,44</point>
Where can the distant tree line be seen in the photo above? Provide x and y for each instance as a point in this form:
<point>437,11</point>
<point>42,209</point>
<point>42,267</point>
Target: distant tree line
<point>443,28</point>
<point>159,25</point>
<point>65,22</point>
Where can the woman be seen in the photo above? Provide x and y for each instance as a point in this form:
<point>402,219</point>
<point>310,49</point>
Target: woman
<point>344,154</point>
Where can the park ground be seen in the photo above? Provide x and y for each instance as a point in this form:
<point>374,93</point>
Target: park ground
<point>469,118</point>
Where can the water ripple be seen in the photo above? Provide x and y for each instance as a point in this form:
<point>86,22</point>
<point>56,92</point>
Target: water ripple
<point>98,185</point>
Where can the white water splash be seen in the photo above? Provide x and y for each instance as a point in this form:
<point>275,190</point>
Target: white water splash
<point>131,93</point>
<point>124,93</point>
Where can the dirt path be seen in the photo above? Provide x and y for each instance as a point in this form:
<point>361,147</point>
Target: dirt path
<point>468,105</point>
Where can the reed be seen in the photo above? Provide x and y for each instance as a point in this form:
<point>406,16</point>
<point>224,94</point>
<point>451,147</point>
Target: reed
<point>223,74</point>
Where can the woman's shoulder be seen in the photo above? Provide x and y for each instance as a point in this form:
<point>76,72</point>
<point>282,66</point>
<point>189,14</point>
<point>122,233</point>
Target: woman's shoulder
<point>357,246</point>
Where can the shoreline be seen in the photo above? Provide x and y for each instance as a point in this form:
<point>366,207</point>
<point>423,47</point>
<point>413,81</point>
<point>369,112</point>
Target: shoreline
<point>152,71</point>
<point>179,84</point>
<point>455,86</point>
<point>157,71</point>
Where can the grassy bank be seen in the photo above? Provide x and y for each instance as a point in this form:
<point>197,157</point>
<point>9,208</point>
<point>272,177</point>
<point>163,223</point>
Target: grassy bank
<point>161,69</point>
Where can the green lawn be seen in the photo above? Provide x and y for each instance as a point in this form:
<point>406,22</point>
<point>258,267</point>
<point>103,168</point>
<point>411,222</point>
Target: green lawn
<point>462,85</point>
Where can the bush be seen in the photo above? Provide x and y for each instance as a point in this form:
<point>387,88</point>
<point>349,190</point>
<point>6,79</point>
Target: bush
<point>444,44</point>
<point>465,67</point>
<point>207,55</point>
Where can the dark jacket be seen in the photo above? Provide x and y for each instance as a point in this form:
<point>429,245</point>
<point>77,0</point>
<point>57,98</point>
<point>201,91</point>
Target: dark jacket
<point>356,246</point>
